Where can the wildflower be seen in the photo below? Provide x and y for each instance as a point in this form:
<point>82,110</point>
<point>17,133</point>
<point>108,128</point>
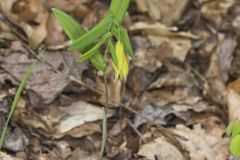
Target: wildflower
<point>121,68</point>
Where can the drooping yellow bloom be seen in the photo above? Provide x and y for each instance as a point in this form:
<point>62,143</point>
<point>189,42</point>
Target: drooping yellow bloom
<point>121,68</point>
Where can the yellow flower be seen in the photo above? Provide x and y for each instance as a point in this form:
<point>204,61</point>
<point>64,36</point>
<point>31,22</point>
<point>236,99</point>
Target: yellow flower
<point>121,68</point>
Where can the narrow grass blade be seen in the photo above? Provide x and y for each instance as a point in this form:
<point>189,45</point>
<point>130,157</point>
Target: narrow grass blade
<point>16,99</point>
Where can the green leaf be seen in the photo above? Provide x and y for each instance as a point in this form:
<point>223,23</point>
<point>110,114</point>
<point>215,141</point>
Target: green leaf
<point>93,50</point>
<point>15,101</point>
<point>122,35</point>
<point>99,57</point>
<point>235,146</point>
<point>230,128</point>
<point>99,30</point>
<point>98,62</point>
<point>71,27</point>
<point>116,32</point>
<point>122,11</point>
<point>236,129</point>
<point>113,53</point>
<point>114,7</point>
<point>126,42</point>
<point>74,31</point>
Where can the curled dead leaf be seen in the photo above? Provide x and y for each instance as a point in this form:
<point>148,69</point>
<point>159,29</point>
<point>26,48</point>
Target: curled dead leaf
<point>76,120</point>
<point>161,149</point>
<point>29,15</point>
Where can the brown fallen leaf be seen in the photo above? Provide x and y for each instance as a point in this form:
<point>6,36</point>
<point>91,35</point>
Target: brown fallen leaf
<point>139,79</point>
<point>225,51</point>
<point>4,156</point>
<point>76,120</point>
<point>167,41</point>
<point>118,127</point>
<point>202,144</point>
<point>115,91</point>
<point>168,12</point>
<point>69,5</point>
<point>150,112</point>
<point>233,105</point>
<point>54,32</point>
<point>84,130</point>
<point>30,16</point>
<point>236,23</point>
<point>81,154</point>
<point>159,29</point>
<point>44,81</point>
<point>178,95</point>
<point>15,140</point>
<point>79,113</point>
<point>173,79</point>
<point>214,86</point>
<point>215,10</point>
<point>149,60</point>
<point>5,31</point>
<point>235,85</point>
<point>160,149</point>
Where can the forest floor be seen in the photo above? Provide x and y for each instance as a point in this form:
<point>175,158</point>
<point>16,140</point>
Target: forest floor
<point>182,90</point>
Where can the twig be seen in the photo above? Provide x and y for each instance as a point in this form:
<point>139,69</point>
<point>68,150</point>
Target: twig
<point>136,130</point>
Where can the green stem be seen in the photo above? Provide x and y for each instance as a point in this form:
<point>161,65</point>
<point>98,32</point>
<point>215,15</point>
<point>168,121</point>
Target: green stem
<point>105,111</point>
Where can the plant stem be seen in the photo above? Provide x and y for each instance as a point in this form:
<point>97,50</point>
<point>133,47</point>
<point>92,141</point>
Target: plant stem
<point>105,111</point>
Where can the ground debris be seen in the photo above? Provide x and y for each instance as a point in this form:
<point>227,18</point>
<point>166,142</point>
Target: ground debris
<point>181,91</point>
